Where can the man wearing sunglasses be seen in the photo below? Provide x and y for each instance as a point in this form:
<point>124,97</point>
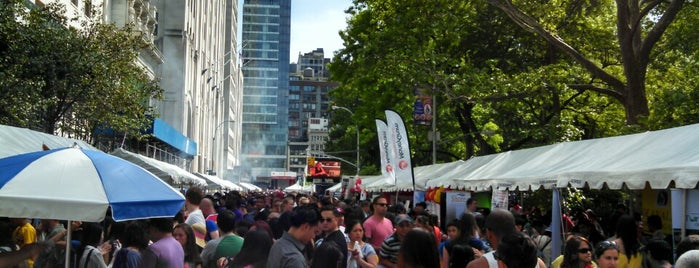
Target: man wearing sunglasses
<point>377,227</point>
<point>330,225</point>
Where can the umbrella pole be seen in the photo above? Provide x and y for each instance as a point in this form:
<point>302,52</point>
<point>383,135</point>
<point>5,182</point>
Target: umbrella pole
<point>68,242</point>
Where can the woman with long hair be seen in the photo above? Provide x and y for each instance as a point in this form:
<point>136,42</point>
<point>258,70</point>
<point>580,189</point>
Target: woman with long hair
<point>365,256</point>
<point>184,234</point>
<point>577,253</point>
<point>255,249</point>
<point>627,240</point>
<point>134,241</point>
<point>469,246</point>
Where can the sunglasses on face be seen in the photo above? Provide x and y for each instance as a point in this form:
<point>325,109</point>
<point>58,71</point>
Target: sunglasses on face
<point>381,204</point>
<point>326,220</point>
<point>584,250</point>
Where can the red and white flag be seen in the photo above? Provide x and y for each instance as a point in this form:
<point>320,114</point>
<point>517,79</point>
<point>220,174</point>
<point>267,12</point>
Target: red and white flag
<point>384,149</point>
<point>399,146</point>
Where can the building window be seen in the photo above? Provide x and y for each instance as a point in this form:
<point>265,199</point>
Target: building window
<point>88,8</point>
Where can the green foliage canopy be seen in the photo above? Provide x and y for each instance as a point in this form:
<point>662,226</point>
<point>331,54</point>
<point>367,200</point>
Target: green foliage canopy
<point>490,73</point>
<point>58,78</point>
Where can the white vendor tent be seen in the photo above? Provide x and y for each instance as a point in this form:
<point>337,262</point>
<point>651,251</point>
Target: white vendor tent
<point>298,188</point>
<point>656,157</point>
<point>216,182</point>
<point>250,187</point>
<point>335,188</point>
<point>422,175</point>
<point>169,173</point>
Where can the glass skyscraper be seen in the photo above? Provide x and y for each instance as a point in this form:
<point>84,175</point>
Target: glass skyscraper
<point>265,49</point>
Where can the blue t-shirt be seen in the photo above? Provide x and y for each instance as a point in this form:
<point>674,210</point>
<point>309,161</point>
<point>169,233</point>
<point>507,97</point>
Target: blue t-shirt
<point>211,226</point>
<point>126,258</point>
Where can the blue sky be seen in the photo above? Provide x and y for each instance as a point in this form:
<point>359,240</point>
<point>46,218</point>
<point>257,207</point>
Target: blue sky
<point>315,24</point>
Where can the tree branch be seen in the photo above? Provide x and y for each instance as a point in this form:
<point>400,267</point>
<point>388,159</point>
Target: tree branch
<point>528,23</point>
<point>600,90</point>
<point>658,29</point>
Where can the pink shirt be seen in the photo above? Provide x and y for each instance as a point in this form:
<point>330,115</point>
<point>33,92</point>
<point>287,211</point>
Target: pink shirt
<point>377,230</point>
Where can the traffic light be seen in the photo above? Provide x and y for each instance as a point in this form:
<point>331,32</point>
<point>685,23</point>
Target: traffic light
<point>311,161</point>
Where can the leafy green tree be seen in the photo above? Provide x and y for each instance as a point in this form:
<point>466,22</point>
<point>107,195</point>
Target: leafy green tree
<point>58,78</point>
<point>640,25</point>
<point>459,52</point>
<point>487,73</point>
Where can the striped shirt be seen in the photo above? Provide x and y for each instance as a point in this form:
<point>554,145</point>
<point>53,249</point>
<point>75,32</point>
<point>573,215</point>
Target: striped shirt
<point>390,247</point>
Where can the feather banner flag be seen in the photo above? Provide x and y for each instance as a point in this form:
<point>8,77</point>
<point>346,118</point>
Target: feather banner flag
<point>384,148</point>
<point>399,146</point>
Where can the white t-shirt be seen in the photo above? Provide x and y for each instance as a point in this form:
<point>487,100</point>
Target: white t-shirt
<point>493,263</point>
<point>195,216</point>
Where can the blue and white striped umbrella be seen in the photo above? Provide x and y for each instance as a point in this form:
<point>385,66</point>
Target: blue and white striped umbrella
<point>77,184</point>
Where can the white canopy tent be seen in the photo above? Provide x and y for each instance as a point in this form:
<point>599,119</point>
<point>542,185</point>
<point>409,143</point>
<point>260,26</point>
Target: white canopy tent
<point>422,175</point>
<point>250,187</point>
<point>656,157</point>
<point>298,188</point>
<point>660,159</point>
<point>334,188</point>
<point>169,173</point>
<point>216,182</point>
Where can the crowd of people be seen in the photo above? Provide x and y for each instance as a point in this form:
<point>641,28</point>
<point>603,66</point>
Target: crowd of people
<point>274,229</point>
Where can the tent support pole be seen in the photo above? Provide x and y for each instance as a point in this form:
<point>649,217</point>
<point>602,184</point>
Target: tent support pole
<point>68,239</point>
<point>683,233</point>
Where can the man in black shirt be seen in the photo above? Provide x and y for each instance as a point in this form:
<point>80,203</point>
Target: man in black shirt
<point>330,225</point>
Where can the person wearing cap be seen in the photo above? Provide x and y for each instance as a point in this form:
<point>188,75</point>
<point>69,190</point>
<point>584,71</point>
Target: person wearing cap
<point>391,245</point>
<point>228,245</point>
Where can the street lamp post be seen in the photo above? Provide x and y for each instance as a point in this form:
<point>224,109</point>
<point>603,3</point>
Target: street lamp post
<point>335,107</point>
<point>213,146</point>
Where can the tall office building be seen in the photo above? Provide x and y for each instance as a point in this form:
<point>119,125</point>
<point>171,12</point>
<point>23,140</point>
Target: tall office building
<point>265,44</point>
<point>308,110</point>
